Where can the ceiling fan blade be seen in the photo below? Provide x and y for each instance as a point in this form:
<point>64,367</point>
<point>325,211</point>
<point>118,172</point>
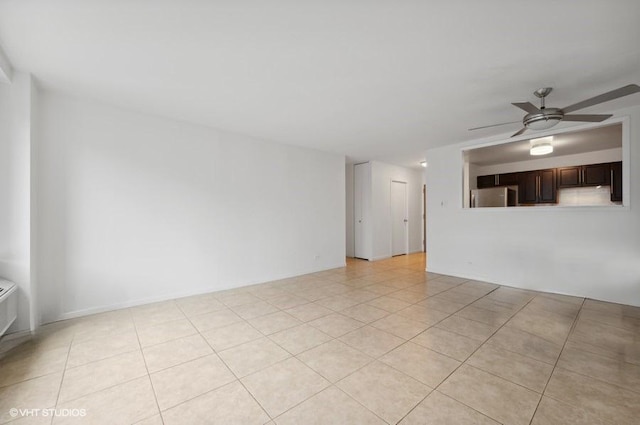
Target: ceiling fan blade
<point>527,106</point>
<point>586,117</point>
<point>605,97</point>
<point>519,132</point>
<point>494,125</point>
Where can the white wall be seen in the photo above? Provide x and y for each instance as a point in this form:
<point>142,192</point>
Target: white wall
<point>15,181</point>
<point>592,252</point>
<point>135,208</point>
<point>381,177</point>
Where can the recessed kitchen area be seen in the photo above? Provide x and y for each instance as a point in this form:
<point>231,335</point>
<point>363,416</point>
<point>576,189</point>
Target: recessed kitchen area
<point>570,168</point>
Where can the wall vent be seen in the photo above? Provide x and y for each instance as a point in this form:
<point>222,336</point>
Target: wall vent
<point>8,305</point>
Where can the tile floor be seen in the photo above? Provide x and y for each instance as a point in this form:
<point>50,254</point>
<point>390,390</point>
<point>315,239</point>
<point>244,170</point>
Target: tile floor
<point>372,343</point>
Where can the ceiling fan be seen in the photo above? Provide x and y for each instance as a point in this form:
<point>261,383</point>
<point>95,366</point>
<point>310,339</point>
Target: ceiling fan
<point>543,118</point>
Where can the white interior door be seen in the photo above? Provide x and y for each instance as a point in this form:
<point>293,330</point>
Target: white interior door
<point>399,219</point>
<point>360,174</point>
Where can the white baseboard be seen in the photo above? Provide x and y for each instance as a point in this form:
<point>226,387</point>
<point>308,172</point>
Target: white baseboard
<point>166,297</point>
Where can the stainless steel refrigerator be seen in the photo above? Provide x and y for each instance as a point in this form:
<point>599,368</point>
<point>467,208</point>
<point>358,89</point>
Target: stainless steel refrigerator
<point>494,197</point>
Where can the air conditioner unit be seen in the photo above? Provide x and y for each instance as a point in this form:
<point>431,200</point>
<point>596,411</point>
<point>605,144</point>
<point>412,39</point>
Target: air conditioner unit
<point>8,305</point>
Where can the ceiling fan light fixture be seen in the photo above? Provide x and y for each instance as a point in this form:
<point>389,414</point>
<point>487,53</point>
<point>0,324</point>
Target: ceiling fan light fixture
<point>541,146</point>
<point>542,121</point>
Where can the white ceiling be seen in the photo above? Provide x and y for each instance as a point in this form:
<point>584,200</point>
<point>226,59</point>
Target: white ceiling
<point>371,79</point>
<point>570,143</point>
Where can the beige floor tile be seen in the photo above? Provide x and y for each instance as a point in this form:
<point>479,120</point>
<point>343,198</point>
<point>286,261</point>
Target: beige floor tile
<point>334,360</point>
<point>31,420</point>
<point>34,393</point>
<point>283,385</point>
<point>188,380</point>
<point>619,321</point>
<point>438,409</point>
<point>199,304</point>
<point>360,295</point>
<point>174,352</point>
<point>607,338</point>
<point>458,296</point>
<point>495,397</point>
<point>152,420</point>
<point>125,403</point>
<point>454,280</point>
<point>468,328</point>
<point>102,348</point>
<point>488,317</point>
<point>422,314</point>
<point>215,319</point>
<point>409,296</point>
<point>252,356</point>
<point>612,308</point>
<point>155,314</point>
<point>274,322</point>
<point>388,303</point>
<point>629,354</point>
<point>380,288</point>
<point>385,391</point>
<point>448,343</point>
<point>19,345</point>
<point>400,326</point>
<point>554,306</point>
<point>92,377</point>
<point>32,364</point>
<point>231,404</point>
<point>441,304</point>
<point>553,412</point>
<point>232,335</point>
<point>286,301</point>
<point>420,363</point>
<point>236,297</point>
<point>300,338</point>
<point>336,324</point>
<point>608,402</point>
<point>309,312</point>
<point>371,341</point>
<point>544,324</point>
<point>616,372</point>
<point>365,313</point>
<point>251,311</point>
<point>513,367</point>
<point>164,332</point>
<point>527,344</point>
<point>337,302</point>
<point>512,295</point>
<point>331,406</point>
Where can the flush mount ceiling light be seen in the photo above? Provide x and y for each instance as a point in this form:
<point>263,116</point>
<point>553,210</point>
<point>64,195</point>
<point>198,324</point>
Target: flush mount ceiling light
<point>423,163</point>
<point>541,146</point>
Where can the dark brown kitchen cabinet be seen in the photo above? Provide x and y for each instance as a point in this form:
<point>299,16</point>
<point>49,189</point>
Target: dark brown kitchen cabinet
<point>538,187</point>
<point>569,177</point>
<point>509,179</point>
<point>486,181</point>
<point>596,175</point>
<point>616,181</point>
<point>584,175</point>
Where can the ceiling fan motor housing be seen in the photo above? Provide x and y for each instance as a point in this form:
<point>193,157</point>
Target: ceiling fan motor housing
<point>547,118</point>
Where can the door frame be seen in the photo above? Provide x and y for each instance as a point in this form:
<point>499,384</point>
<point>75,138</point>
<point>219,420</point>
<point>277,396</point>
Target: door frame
<point>406,215</point>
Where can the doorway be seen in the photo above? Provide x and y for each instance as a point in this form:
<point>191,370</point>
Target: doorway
<point>399,219</point>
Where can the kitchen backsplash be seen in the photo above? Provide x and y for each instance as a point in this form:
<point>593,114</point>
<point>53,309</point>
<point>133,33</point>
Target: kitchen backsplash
<point>585,196</point>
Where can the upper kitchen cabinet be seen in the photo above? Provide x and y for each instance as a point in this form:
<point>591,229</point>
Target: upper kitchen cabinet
<point>538,187</point>
<point>584,175</point>
<point>568,168</point>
